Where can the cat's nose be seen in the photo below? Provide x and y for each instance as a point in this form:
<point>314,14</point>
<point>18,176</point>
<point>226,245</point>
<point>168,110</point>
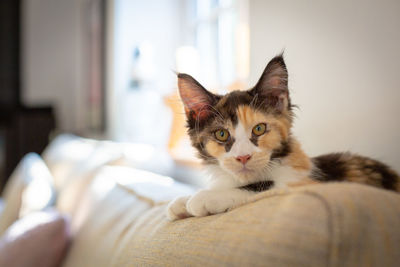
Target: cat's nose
<point>243,159</point>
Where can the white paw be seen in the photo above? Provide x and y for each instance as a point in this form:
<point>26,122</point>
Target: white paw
<point>176,209</point>
<point>207,202</point>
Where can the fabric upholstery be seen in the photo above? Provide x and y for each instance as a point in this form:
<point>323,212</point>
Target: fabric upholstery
<point>74,161</point>
<point>316,225</point>
<point>38,239</point>
<point>113,202</point>
<point>104,214</point>
<point>122,222</point>
<point>118,218</point>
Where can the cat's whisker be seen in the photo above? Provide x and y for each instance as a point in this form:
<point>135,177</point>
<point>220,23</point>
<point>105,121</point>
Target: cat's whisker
<point>259,107</point>
<point>253,101</point>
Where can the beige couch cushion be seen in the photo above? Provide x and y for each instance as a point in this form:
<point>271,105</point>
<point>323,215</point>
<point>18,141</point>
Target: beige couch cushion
<point>116,197</point>
<point>318,225</point>
<point>121,221</point>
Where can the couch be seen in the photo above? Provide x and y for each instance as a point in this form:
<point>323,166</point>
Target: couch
<point>116,216</point>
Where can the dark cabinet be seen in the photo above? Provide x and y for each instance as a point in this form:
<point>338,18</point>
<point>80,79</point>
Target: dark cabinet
<point>27,130</point>
<point>22,129</point>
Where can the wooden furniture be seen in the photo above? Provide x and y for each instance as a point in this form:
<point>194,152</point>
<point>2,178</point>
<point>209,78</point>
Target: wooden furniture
<point>23,129</point>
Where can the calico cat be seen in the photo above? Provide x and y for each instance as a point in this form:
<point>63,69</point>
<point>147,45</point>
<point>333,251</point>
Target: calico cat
<point>245,141</point>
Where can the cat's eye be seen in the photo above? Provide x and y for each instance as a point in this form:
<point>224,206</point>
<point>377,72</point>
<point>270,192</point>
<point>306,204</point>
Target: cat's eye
<point>221,135</point>
<point>259,129</point>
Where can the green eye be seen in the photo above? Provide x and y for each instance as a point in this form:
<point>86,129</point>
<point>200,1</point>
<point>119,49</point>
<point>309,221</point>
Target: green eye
<point>259,129</point>
<point>221,135</point>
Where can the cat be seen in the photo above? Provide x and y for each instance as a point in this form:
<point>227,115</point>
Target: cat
<point>244,139</point>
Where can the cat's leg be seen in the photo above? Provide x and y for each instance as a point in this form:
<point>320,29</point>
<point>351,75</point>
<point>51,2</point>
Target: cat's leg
<point>177,209</point>
<point>207,202</point>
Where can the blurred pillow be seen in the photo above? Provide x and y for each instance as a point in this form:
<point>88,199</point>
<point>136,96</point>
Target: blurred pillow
<point>109,209</point>
<point>30,188</point>
<point>65,152</point>
<point>1,206</point>
<point>38,239</point>
<point>69,157</point>
<point>147,186</point>
<point>73,185</point>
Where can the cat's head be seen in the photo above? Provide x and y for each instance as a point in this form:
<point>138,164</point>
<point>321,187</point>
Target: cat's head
<point>242,132</point>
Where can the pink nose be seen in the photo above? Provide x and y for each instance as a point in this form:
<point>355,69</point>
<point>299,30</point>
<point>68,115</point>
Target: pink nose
<point>243,159</point>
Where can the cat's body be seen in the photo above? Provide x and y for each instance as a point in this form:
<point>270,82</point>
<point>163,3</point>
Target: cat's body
<point>245,141</point>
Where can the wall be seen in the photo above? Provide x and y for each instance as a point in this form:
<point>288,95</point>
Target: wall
<point>52,58</point>
<point>343,59</point>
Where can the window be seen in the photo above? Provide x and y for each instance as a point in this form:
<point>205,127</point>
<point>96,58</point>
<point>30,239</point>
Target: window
<point>204,38</point>
<point>218,43</point>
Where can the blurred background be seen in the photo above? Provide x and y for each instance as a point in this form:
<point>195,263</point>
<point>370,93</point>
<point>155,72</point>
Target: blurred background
<point>105,69</point>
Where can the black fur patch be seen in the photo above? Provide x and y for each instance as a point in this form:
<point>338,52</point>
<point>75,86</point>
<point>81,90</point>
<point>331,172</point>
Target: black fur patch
<point>258,186</point>
<point>254,139</point>
<point>228,145</point>
<point>228,105</point>
<point>281,152</point>
<point>329,167</point>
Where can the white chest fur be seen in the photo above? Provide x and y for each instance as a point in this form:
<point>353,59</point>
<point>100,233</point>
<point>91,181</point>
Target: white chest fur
<point>283,175</point>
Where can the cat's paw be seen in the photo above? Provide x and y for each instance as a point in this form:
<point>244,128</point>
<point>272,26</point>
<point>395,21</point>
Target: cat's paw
<point>208,202</point>
<point>176,209</point>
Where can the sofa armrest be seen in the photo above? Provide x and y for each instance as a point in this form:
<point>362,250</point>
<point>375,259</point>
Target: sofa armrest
<point>319,225</point>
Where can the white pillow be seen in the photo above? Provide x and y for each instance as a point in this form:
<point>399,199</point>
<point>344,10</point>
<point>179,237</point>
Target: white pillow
<point>64,153</point>
<point>30,188</point>
<point>1,206</point>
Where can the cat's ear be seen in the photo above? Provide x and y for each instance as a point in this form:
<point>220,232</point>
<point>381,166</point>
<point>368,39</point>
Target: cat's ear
<point>273,85</point>
<point>196,99</point>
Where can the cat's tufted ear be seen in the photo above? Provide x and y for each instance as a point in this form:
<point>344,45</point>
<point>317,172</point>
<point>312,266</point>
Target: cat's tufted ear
<point>273,85</point>
<point>196,99</point>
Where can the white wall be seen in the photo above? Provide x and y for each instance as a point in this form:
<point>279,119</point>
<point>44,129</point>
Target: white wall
<point>52,58</point>
<point>343,59</point>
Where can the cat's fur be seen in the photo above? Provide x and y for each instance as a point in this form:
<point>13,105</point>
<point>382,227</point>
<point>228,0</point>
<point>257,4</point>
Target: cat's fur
<point>246,163</point>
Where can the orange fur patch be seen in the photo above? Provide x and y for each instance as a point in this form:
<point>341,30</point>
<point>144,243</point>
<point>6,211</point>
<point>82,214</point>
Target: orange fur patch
<point>298,159</point>
<point>249,117</point>
<point>270,140</point>
<point>356,173</point>
<point>214,149</point>
<point>279,127</point>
